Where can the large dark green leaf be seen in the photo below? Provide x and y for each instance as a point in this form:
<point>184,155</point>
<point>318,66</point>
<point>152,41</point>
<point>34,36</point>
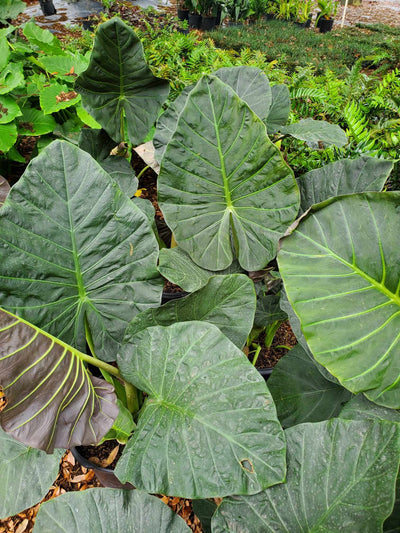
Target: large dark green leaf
<point>341,273</point>
<point>228,302</point>
<point>280,108</point>
<point>74,248</point>
<point>176,265</point>
<point>360,408</point>
<point>99,145</point>
<point>208,426</point>
<point>167,122</point>
<point>119,84</point>
<point>221,174</point>
<point>343,177</point>
<point>52,401</point>
<point>251,85</point>
<point>108,511</point>
<point>301,393</point>
<point>341,477</point>
<point>19,465</point>
<point>316,131</point>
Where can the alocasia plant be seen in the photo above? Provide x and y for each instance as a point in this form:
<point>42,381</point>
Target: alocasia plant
<point>78,271</point>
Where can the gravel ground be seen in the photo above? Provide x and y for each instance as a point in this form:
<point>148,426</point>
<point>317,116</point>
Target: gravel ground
<point>370,12</point>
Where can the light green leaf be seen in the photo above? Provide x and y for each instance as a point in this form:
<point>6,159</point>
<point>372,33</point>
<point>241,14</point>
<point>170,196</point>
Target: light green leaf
<point>56,97</point>
<point>17,463</point>
<point>10,77</point>
<point>8,136</point>
<point>228,302</point>
<point>65,66</point>
<point>343,177</point>
<point>86,118</point>
<point>4,47</point>
<point>104,510</point>
<point>10,9</point>
<point>340,268</point>
<point>9,109</point>
<point>176,265</point>
<point>42,38</point>
<point>74,249</point>
<point>316,131</point>
<point>301,393</point>
<point>122,427</point>
<point>125,88</point>
<point>205,403</point>
<point>341,477</point>
<point>35,122</point>
<point>221,175</point>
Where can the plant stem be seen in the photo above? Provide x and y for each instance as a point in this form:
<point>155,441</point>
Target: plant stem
<point>270,332</point>
<point>256,355</point>
<point>132,400</point>
<point>142,172</point>
<point>101,364</point>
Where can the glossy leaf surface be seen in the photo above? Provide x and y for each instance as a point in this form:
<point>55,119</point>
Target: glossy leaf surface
<point>343,177</point>
<point>125,88</point>
<point>221,174</point>
<point>228,302</point>
<point>340,268</point>
<point>106,511</point>
<point>19,464</point>
<point>52,401</point>
<point>74,248</point>
<point>334,482</point>
<point>301,393</point>
<point>205,403</point>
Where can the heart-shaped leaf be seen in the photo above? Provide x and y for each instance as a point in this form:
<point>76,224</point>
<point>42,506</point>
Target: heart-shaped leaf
<point>126,88</point>
<point>335,482</point>
<point>35,122</point>
<point>228,302</point>
<point>343,177</point>
<point>101,510</point>
<point>43,39</point>
<point>52,401</point>
<point>301,393</point>
<point>206,403</point>
<point>18,465</point>
<point>221,175</point>
<point>74,249</point>
<point>57,96</point>
<point>340,268</point>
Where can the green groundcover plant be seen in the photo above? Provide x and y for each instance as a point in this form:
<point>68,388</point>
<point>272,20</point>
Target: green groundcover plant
<point>316,450</point>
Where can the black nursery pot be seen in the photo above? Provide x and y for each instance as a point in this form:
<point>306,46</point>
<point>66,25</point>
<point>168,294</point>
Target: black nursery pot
<point>195,21</point>
<point>106,476</point>
<point>265,372</point>
<point>47,7</point>
<point>183,14</point>
<point>325,25</point>
<point>169,296</point>
<point>208,23</point>
<point>306,24</point>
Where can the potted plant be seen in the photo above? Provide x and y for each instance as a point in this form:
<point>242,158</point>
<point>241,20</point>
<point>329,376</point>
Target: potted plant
<point>258,7</point>
<point>303,14</point>
<point>237,11</point>
<point>183,7</point>
<point>326,15</point>
<point>194,14</point>
<point>208,11</point>
<point>79,267</point>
